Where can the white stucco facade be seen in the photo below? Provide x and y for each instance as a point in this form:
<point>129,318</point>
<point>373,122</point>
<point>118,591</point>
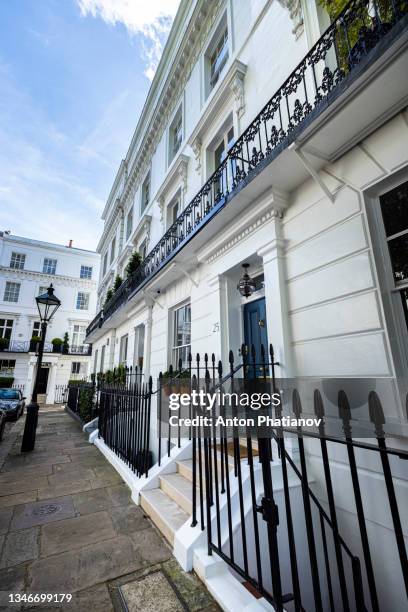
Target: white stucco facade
<point>27,267</point>
<point>310,224</point>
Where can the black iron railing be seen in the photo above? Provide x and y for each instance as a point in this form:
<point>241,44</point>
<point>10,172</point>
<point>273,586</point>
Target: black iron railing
<point>81,399</point>
<point>343,575</point>
<point>311,87</point>
<point>27,346</point>
<point>124,418</point>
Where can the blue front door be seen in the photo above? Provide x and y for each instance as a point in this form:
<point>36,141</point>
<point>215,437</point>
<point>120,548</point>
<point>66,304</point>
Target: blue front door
<point>256,333</point>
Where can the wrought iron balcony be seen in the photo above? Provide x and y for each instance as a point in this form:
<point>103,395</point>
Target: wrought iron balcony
<point>314,84</point>
<point>31,346</point>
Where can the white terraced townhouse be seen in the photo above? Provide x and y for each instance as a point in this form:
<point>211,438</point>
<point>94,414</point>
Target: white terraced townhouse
<point>27,268</point>
<point>265,190</point>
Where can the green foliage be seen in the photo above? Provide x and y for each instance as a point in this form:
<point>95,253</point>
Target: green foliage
<point>57,341</point>
<point>109,295</point>
<point>117,283</point>
<point>175,374</point>
<point>117,375</point>
<point>85,403</point>
<point>6,382</point>
<point>65,343</point>
<point>133,264</point>
<point>4,343</point>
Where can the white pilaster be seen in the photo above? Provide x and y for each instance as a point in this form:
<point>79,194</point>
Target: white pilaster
<point>273,257</point>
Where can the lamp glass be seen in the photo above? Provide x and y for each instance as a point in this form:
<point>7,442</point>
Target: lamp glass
<point>47,304</point>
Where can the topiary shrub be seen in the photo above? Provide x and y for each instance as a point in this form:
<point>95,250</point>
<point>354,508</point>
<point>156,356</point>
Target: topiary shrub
<point>6,382</point>
<point>117,283</point>
<point>108,297</point>
<point>65,343</point>
<point>86,403</point>
<point>57,344</point>
<point>133,263</point>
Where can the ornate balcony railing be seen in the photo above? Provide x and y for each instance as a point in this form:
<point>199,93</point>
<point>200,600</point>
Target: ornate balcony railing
<point>312,85</point>
<point>31,346</point>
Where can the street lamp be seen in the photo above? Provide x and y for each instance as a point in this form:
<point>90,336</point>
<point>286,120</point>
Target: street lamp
<point>47,304</point>
<point>246,285</point>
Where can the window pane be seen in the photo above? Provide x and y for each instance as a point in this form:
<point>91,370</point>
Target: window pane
<point>6,327</point>
<point>86,272</point>
<point>394,207</point>
<point>50,266</point>
<point>17,261</point>
<point>11,292</point>
<point>398,248</point>
<point>82,302</point>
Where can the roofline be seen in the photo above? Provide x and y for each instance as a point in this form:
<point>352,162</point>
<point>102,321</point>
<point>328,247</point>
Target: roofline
<point>33,241</point>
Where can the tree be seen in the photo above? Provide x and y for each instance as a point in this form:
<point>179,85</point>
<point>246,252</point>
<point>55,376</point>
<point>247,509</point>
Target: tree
<point>117,283</point>
<point>133,263</point>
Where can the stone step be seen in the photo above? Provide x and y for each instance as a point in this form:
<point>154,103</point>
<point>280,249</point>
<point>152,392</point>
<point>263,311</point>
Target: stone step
<point>179,489</point>
<point>164,512</point>
<point>185,467</point>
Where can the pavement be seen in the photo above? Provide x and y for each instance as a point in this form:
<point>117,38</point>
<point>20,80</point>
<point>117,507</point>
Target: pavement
<point>68,526</point>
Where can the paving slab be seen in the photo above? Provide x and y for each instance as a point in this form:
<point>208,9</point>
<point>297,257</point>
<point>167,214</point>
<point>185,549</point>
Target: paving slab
<point>71,476</point>
<point>76,570</point>
<point>18,498</point>
<point>129,519</point>
<point>42,512</point>
<point>75,533</point>
<point>20,546</point>
<point>151,546</point>
<point>95,500</point>
<point>5,519</point>
<point>151,593</point>
<point>67,488</point>
<point>25,472</point>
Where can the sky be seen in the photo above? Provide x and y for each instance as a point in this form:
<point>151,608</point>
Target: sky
<point>74,75</point>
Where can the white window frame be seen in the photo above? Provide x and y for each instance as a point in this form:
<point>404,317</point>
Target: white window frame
<point>11,288</point>
<point>7,369</point>
<point>48,267</point>
<point>177,120</point>
<point>391,299</point>
<point>147,181</point>
<point>84,300</point>
<point>77,334</point>
<point>210,83</point>
<point>129,223</point>
<point>112,250</point>
<point>102,364</point>
<point>86,271</point>
<point>105,264</point>
<point>123,349</point>
<point>4,328</point>
<point>17,260</point>
<point>175,348</point>
<point>138,355</point>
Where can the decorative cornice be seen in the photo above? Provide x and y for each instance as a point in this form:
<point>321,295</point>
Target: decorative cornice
<point>188,52</point>
<point>268,208</point>
<point>47,278</point>
<point>296,14</point>
<point>178,173</point>
<point>231,86</point>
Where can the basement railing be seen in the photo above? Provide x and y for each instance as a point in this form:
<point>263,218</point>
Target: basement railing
<point>312,86</point>
<point>282,539</point>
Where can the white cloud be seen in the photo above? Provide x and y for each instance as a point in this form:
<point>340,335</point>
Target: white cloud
<point>151,19</point>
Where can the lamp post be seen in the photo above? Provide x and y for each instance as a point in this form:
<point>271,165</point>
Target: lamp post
<point>47,305</point>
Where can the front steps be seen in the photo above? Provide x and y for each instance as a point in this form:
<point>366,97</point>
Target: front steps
<point>170,505</point>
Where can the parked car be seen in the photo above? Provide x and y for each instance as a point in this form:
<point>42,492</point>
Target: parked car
<point>3,419</point>
<point>12,403</point>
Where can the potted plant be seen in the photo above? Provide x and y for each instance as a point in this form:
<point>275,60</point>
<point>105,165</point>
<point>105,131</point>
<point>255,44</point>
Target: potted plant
<point>175,381</point>
<point>34,343</point>
<point>133,264</point>
<point>57,345</point>
<point>65,343</point>
<point>108,297</point>
<point>117,283</point>
<point>4,344</point>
